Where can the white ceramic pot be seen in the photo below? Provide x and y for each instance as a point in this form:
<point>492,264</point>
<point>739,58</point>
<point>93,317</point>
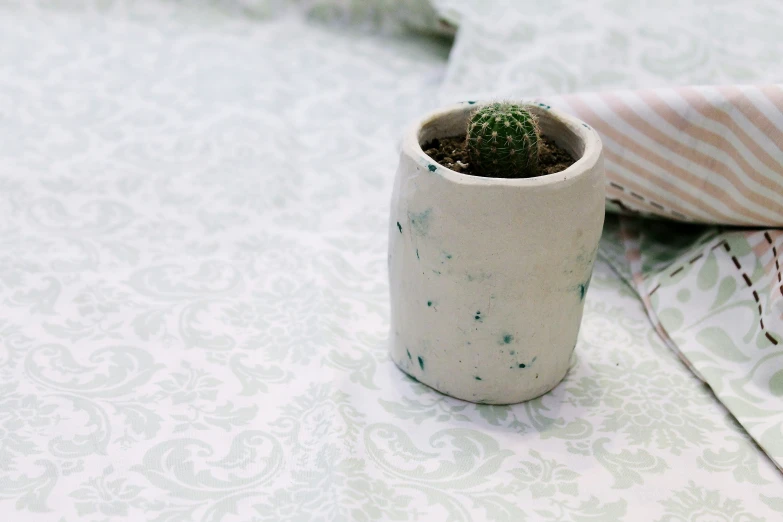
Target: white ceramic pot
<point>488,276</point>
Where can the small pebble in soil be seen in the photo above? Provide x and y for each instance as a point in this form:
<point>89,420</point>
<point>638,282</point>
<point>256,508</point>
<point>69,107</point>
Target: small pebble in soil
<point>452,154</point>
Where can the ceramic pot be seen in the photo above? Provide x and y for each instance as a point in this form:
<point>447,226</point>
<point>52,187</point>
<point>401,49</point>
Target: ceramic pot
<point>488,276</point>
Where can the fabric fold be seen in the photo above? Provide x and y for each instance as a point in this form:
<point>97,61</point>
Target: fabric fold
<point>715,296</point>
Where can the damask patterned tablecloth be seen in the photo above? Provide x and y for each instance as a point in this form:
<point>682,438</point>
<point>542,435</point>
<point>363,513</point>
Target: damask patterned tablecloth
<point>193,300</point>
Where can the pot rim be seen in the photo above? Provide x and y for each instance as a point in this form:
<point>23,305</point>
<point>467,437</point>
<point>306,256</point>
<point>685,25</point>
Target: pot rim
<point>588,136</point>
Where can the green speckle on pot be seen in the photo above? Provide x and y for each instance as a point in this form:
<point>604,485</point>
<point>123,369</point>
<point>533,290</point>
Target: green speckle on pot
<point>480,276</point>
<point>420,222</point>
<point>581,289</point>
<point>409,354</point>
<point>478,378</point>
<point>522,365</point>
<point>436,272</point>
<point>507,338</point>
<point>477,317</point>
<point>448,256</point>
<point>421,363</point>
<point>536,357</point>
<point>512,352</point>
<point>471,102</point>
<point>429,303</point>
<point>417,254</point>
<point>431,167</point>
<point>399,227</point>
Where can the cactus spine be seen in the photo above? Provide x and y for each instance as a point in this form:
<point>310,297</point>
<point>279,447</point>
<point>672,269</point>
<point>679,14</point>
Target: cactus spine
<point>502,141</point>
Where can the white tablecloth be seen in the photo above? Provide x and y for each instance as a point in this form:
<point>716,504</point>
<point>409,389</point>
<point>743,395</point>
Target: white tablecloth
<point>193,300</point>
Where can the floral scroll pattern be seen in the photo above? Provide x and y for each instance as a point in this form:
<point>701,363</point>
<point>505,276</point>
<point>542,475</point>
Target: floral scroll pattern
<point>193,299</point>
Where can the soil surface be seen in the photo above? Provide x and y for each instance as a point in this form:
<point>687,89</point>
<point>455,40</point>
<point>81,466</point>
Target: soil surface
<point>453,154</point>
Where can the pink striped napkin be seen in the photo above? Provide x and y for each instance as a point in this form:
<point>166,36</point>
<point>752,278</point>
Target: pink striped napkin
<point>702,154</point>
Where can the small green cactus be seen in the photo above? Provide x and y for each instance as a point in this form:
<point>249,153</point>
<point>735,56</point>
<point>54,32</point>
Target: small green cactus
<point>502,141</point>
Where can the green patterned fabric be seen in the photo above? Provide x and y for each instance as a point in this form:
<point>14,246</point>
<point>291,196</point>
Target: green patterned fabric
<point>720,308</point>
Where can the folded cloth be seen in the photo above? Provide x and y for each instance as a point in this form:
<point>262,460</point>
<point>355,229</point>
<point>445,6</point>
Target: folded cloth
<point>700,154</point>
<point>704,155</point>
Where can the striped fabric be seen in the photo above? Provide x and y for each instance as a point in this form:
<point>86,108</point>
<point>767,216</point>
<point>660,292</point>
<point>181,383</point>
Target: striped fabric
<point>699,154</point>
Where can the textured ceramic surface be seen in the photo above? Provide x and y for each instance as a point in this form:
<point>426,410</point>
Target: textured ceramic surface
<point>488,276</point>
